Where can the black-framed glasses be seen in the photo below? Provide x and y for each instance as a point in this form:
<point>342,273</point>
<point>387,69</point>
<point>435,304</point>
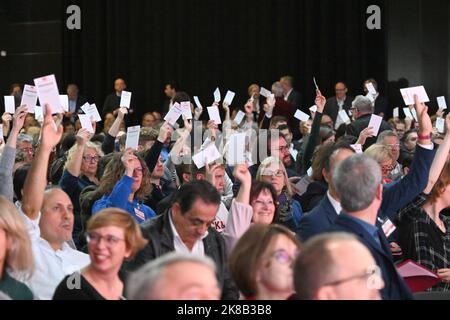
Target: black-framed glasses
<point>110,240</point>
<point>91,158</point>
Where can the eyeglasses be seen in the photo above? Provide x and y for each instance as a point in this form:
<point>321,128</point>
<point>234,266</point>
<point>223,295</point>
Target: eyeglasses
<point>270,173</point>
<point>393,146</point>
<point>91,158</point>
<point>283,257</point>
<point>264,203</point>
<point>388,167</point>
<point>110,240</point>
<point>27,150</point>
<point>366,275</point>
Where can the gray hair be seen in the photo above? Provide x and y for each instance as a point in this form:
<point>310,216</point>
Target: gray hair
<point>357,179</point>
<point>24,138</point>
<point>142,282</point>
<point>384,134</point>
<point>277,89</point>
<point>363,104</point>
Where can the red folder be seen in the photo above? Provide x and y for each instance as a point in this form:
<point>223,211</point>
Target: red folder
<point>417,277</point>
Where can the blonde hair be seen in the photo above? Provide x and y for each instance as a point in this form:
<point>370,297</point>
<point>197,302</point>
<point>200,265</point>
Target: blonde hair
<point>19,257</point>
<point>379,153</point>
<point>89,145</point>
<point>267,163</point>
<point>121,219</point>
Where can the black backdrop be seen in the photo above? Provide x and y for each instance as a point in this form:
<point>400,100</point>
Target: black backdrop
<point>207,43</point>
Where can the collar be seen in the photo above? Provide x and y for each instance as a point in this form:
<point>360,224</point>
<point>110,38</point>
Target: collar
<point>288,93</point>
<point>336,204</point>
<point>371,229</point>
<point>175,232</point>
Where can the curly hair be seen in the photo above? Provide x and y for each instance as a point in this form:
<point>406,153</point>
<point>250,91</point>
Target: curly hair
<point>441,184</point>
<point>114,172</point>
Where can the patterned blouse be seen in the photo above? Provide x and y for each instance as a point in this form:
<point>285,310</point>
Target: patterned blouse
<point>422,240</point>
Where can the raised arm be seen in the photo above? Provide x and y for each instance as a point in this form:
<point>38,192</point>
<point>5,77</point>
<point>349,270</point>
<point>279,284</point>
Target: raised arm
<point>165,134</point>
<point>73,165</point>
<point>6,120</point>
<point>440,159</point>
<point>108,143</point>
<point>242,174</point>
<point>33,190</point>
<point>9,153</point>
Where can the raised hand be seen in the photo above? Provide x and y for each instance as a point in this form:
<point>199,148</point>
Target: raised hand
<point>51,134</point>
<point>122,112</point>
<point>83,136</point>
<point>128,161</point>
<point>425,124</point>
<point>366,133</point>
<point>19,118</point>
<point>320,101</point>
<point>242,173</point>
<point>165,133</point>
<point>6,117</point>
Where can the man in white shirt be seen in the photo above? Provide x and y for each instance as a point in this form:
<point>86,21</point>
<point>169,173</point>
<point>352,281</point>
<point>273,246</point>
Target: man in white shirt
<point>49,220</point>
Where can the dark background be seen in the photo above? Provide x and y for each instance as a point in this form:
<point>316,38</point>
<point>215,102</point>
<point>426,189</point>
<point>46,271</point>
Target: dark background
<point>207,43</point>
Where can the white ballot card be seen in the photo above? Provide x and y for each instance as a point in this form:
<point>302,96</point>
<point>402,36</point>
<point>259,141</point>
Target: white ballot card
<point>239,117</point>
<point>313,108</point>
<point>344,117</point>
<point>371,88</point>
<point>86,123</point>
<point>375,123</point>
<point>210,153</point>
<point>92,111</point>
<point>174,113</point>
<point>186,109</point>
<point>396,113</point>
<point>414,114</point>
<point>214,114</point>
<point>133,137</point>
<point>229,98</point>
<point>440,125</point>
<point>442,103</point>
<point>48,93</point>
<point>29,97</point>
<point>64,102</point>
<point>197,102</point>
<point>10,104</point>
<point>264,92</point>
<point>38,113</point>
<point>408,113</point>
<point>357,148</point>
<point>217,97</point>
<point>236,149</point>
<point>125,99</point>
<point>300,115</point>
<point>408,95</point>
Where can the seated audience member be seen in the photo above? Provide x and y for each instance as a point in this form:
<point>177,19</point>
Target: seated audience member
<point>358,183</point>
<point>289,210</point>
<point>148,120</point>
<point>16,258</point>
<point>391,140</point>
<point>124,185</point>
<point>79,172</point>
<point>400,128</point>
<point>341,101</point>
<point>175,276</point>
<point>278,148</point>
<point>186,227</point>
<point>8,155</point>
<point>408,144</point>
<point>383,155</point>
<point>25,147</point>
<point>112,236</point>
<point>381,105</point>
<point>336,266</point>
<point>255,203</point>
<point>326,121</point>
<point>261,262</point>
<point>423,228</point>
<point>395,195</point>
<point>362,110</point>
<point>49,220</point>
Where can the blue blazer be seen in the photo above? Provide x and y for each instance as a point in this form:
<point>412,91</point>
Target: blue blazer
<point>395,287</point>
<point>395,196</point>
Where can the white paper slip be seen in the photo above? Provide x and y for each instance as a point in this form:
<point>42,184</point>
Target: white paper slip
<point>371,88</point>
<point>300,115</point>
<point>29,97</point>
<point>197,102</point>
<point>186,109</point>
<point>414,114</point>
<point>48,93</point>
<point>214,114</point>
<point>173,114</point>
<point>344,117</point>
<point>125,99</point>
<point>217,97</point>
<point>229,98</point>
<point>10,104</point>
<point>133,137</point>
<point>370,97</point>
<point>313,108</point>
<point>408,113</point>
<point>440,125</point>
<point>310,172</point>
<point>239,117</point>
<point>315,83</point>
<point>64,102</point>
<point>92,111</point>
<point>357,148</point>
<point>413,269</point>
<point>38,113</point>
<point>375,123</point>
<point>1,133</point>
<point>396,113</point>
<point>236,149</point>
<point>86,123</point>
<point>210,154</point>
<point>441,103</point>
<point>408,95</point>
<point>264,92</point>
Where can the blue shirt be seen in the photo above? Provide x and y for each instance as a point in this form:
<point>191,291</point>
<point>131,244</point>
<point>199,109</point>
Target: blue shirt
<point>371,229</point>
<point>119,199</point>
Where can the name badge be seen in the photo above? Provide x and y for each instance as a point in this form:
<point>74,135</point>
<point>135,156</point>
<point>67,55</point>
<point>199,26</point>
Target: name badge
<point>139,214</point>
<point>388,227</point>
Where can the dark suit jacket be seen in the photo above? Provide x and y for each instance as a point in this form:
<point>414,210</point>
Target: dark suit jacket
<point>295,99</point>
<point>331,107</point>
<point>395,196</point>
<point>160,236</point>
<point>355,128</point>
<point>395,287</point>
<point>381,105</point>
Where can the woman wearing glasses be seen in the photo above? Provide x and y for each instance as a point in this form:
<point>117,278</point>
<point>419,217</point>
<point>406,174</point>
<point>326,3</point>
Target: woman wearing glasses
<point>112,236</point>
<point>383,155</point>
<point>125,184</point>
<point>289,211</point>
<point>79,172</point>
<point>261,262</point>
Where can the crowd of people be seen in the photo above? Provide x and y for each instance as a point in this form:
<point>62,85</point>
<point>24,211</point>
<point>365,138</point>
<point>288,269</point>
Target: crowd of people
<point>325,208</point>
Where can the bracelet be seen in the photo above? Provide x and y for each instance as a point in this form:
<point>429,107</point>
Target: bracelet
<point>425,137</point>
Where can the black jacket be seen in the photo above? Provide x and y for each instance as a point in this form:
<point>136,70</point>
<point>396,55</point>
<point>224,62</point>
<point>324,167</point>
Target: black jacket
<point>331,107</point>
<point>355,128</point>
<point>159,234</point>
